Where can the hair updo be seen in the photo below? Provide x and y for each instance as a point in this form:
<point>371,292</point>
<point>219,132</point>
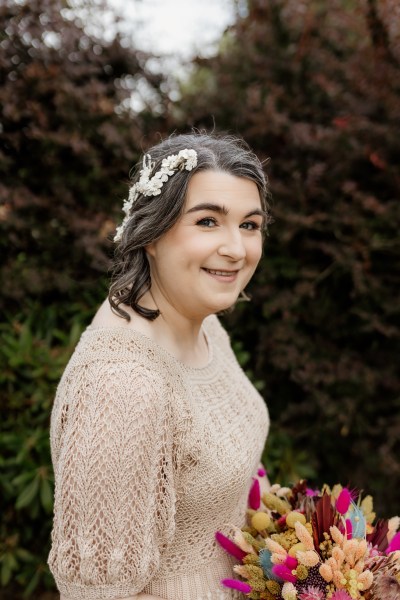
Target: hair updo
<point>151,217</point>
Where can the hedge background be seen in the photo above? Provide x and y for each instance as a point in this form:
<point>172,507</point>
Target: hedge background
<point>315,86</point>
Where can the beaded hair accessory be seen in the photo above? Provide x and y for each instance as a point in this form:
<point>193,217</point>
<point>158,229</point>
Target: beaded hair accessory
<point>185,159</point>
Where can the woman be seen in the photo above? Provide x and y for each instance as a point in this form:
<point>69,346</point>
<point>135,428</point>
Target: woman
<point>156,432</point>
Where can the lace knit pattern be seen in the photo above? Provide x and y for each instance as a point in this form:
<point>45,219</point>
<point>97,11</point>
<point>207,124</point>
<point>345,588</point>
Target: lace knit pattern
<point>150,457</point>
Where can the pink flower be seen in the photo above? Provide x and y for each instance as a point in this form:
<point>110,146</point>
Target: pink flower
<point>291,562</point>
<point>349,529</point>
<point>229,546</point>
<point>394,544</point>
<point>346,529</point>
<point>373,551</point>
<point>311,493</point>
<point>261,472</point>
<point>255,495</point>
<point>235,584</point>
<point>341,595</point>
<point>282,521</point>
<point>284,573</point>
<point>343,501</point>
<point>312,593</point>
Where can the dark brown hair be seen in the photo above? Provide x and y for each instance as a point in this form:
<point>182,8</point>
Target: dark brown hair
<point>151,217</point>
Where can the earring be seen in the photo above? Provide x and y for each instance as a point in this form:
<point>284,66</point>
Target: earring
<point>243,297</point>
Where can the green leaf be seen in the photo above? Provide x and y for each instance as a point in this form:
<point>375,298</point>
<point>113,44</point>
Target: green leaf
<point>6,570</point>
<point>32,585</point>
<point>46,495</point>
<point>28,494</point>
<point>24,555</point>
<point>23,478</point>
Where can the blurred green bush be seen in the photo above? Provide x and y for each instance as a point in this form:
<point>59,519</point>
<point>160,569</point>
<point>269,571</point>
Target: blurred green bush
<point>34,352</point>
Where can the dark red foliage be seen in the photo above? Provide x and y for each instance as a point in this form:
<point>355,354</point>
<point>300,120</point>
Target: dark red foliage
<point>66,148</point>
<point>299,493</point>
<point>378,537</point>
<point>316,87</point>
<point>323,518</point>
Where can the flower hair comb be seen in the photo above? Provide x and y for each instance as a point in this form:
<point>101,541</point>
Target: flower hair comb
<point>151,186</point>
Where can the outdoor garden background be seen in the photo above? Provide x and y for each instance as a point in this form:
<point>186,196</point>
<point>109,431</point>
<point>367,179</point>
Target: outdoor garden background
<point>312,84</point>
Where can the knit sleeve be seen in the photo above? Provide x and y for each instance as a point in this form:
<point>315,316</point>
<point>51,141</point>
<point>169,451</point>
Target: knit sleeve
<point>111,445</point>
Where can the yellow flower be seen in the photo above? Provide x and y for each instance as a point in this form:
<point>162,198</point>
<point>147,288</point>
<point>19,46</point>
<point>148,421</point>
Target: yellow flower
<point>257,544</point>
<point>260,520</point>
<point>301,572</point>
<point>257,584</point>
<point>367,508</point>
<point>336,491</point>
<point>296,548</point>
<point>293,517</point>
<point>277,504</point>
<point>273,587</point>
<point>251,559</point>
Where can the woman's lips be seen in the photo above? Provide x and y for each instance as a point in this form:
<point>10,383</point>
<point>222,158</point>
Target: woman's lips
<point>222,275</point>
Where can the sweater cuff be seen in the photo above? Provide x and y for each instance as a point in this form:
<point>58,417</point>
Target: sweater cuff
<point>78,591</point>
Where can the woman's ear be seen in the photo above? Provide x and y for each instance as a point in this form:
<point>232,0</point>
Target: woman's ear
<point>150,249</point>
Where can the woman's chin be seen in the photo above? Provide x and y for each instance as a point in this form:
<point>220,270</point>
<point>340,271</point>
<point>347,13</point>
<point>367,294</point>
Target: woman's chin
<point>223,305</point>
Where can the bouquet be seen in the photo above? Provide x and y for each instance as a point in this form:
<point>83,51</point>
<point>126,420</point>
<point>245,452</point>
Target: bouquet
<point>304,544</point>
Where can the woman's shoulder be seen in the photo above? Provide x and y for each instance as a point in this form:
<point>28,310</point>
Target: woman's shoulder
<point>110,339</point>
<point>106,318</point>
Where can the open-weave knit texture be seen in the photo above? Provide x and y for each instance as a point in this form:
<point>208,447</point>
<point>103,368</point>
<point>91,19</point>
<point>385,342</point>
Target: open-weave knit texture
<point>151,457</point>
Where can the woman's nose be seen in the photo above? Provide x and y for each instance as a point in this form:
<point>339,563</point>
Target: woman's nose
<point>232,246</point>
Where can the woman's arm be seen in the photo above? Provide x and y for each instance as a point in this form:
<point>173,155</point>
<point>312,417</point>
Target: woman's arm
<point>114,501</point>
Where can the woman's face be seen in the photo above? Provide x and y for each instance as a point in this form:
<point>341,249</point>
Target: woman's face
<point>206,259</point>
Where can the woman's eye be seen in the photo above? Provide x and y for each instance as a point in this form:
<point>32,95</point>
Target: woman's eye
<point>207,222</point>
<point>251,225</point>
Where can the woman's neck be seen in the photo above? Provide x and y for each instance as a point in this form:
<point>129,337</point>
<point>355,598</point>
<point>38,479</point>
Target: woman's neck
<point>180,334</point>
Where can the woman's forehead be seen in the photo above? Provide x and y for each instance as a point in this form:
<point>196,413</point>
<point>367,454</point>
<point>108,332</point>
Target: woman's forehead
<point>222,186</point>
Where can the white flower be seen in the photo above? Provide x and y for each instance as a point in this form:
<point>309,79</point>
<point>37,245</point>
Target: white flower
<point>289,591</point>
<point>190,156</point>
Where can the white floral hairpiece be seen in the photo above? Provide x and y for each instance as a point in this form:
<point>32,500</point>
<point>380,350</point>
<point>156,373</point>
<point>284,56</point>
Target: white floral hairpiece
<point>185,159</point>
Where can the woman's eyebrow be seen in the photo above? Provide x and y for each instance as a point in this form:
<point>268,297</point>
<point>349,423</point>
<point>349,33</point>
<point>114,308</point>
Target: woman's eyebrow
<point>223,210</point>
<point>208,206</point>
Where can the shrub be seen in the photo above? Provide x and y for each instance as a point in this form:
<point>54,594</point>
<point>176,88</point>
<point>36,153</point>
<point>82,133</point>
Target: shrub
<point>316,88</point>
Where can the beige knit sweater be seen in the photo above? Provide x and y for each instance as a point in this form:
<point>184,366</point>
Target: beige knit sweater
<point>150,457</point>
